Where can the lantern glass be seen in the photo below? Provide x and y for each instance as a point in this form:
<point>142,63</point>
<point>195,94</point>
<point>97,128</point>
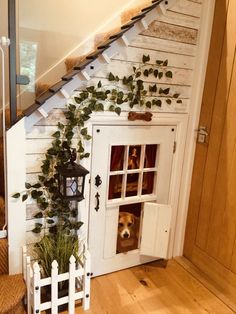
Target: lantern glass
<point>71,181</point>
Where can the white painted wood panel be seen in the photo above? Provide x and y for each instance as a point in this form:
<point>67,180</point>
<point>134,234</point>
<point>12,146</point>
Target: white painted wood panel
<point>192,8</point>
<point>168,46</point>
<point>40,146</point>
<point>133,54</point>
<point>172,32</point>
<point>179,19</point>
<point>38,132</point>
<point>34,162</point>
<point>52,119</point>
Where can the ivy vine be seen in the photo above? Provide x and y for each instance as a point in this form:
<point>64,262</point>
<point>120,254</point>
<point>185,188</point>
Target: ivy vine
<point>131,90</point>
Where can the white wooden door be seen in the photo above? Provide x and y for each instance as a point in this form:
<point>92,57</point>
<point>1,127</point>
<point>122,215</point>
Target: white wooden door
<point>122,184</point>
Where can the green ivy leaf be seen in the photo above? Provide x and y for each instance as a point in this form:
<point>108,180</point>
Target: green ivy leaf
<point>36,185</point>
<point>117,78</point>
<point>124,80</point>
<point>27,185</point>
<point>119,101</point>
<point>24,197</point>
<point>81,148</point>
<point>38,215</point>
<point>130,96</point>
<point>111,77</point>
<point>87,137</point>
<point>146,72</point>
<point>50,221</point>
<point>134,69</point>
<point>165,63</point>
<point>150,70</point>
<point>179,101</point>
<point>118,110</point>
<point>72,107</point>
<point>169,74</point>
<point>78,100</point>
<point>168,101</point>
<point>37,230</point>
<point>60,125</point>
<point>146,58</point>
<point>41,178</point>
<point>164,91</point>
<point>78,225</point>
<point>158,103</point>
<point>176,95</point>
<point>99,84</point>
<point>160,75</point>
<point>156,73</point>
<point>159,62</point>
<point>99,107</point>
<point>120,94</point>
<point>84,131</point>
<point>153,88</point>
<point>148,104</point>
<point>111,108</point>
<point>138,74</point>
<point>90,89</point>
<point>16,195</point>
<point>82,156</point>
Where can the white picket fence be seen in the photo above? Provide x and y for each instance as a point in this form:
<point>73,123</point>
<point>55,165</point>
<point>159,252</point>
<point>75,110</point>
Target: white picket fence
<point>78,282</point>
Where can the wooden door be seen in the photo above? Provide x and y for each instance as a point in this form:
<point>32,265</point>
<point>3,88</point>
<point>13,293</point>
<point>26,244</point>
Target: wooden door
<point>134,167</point>
<point>210,241</point>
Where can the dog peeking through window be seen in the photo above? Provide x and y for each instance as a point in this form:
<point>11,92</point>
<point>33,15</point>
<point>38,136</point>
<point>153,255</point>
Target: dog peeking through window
<point>128,232</point>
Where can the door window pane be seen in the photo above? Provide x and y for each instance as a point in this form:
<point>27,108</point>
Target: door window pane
<point>148,182</point>
<point>117,158</point>
<point>150,156</point>
<point>134,157</point>
<point>132,184</point>
<point>115,187</point>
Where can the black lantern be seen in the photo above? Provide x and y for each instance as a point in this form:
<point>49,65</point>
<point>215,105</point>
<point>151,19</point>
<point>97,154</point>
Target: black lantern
<point>71,179</point>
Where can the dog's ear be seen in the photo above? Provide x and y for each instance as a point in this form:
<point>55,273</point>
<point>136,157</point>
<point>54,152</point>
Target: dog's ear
<point>132,218</point>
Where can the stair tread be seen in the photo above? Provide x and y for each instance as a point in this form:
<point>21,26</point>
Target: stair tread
<point>12,291</point>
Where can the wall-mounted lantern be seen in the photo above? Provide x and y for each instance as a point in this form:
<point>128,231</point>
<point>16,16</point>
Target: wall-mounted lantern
<point>71,179</point>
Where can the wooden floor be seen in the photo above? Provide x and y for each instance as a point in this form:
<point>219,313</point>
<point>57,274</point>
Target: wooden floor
<point>152,289</point>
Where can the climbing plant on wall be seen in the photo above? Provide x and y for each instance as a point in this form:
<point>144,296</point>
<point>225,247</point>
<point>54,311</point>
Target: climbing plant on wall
<point>132,90</point>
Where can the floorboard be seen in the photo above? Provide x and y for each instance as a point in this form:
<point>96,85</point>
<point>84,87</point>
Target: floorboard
<point>153,289</point>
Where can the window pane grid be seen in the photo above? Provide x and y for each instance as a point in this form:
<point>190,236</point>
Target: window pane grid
<point>139,170</point>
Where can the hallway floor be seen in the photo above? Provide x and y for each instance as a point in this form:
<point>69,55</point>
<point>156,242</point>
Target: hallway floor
<point>153,289</point>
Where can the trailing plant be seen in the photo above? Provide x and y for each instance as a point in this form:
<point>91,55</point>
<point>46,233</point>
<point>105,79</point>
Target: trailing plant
<point>131,90</point>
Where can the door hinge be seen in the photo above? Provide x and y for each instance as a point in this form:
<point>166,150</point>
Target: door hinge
<point>174,147</point>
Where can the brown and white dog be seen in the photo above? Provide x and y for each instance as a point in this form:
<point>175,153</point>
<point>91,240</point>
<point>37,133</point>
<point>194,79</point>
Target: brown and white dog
<point>128,232</point>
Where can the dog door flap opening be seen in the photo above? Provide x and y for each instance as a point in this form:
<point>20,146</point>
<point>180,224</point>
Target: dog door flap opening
<point>155,230</point>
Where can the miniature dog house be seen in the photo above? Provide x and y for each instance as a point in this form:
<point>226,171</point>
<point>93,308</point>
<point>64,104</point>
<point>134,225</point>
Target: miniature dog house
<point>139,167</point>
<point>143,191</point>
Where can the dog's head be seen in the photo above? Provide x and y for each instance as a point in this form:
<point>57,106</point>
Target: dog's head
<point>126,225</point>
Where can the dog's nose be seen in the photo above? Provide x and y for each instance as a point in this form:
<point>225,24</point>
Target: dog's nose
<point>126,235</point>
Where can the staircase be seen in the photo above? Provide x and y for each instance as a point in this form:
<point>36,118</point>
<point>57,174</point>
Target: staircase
<point>12,288</point>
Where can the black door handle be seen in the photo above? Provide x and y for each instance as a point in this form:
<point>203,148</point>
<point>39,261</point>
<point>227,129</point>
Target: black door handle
<point>98,201</point>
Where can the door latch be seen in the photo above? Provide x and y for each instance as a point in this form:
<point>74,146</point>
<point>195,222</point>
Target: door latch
<point>202,134</point>
<point>98,180</point>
